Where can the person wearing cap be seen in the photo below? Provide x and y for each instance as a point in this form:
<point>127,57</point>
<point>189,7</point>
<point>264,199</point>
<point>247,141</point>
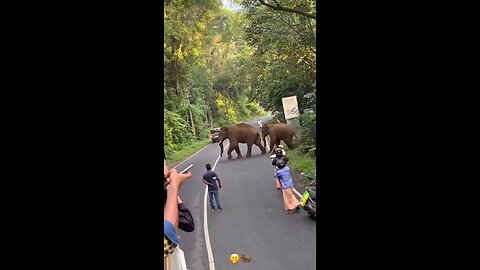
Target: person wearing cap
<point>283,151</point>
<point>284,175</point>
<point>278,156</point>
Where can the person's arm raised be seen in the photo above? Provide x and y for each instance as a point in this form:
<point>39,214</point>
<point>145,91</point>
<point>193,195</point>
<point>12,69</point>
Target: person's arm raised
<point>170,211</point>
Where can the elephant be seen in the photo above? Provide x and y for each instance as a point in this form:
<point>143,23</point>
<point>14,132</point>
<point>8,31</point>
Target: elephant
<point>278,132</point>
<point>240,133</point>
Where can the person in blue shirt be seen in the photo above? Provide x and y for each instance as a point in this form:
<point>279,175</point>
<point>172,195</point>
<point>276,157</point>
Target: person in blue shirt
<point>279,154</point>
<point>284,176</point>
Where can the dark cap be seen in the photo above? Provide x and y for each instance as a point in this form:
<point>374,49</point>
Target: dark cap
<point>280,163</point>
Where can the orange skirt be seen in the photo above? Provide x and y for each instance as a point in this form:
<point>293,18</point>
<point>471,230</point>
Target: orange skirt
<point>289,200</point>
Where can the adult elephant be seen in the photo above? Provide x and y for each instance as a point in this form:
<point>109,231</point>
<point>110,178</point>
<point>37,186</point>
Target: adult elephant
<point>278,132</point>
<point>240,133</point>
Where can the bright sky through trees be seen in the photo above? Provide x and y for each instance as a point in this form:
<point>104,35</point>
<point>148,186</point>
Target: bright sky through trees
<point>230,5</point>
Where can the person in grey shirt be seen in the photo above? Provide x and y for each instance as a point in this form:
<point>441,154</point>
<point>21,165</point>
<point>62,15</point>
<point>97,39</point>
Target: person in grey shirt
<point>210,178</point>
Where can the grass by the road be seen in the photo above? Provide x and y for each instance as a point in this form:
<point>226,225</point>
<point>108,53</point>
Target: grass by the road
<point>301,162</point>
<point>186,151</point>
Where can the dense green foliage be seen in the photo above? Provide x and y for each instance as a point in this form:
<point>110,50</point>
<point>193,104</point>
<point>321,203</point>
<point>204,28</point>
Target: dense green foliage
<point>223,67</point>
<point>283,36</point>
<point>284,59</point>
<point>308,123</point>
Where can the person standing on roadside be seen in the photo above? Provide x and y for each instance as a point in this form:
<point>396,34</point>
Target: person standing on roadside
<point>275,158</point>
<point>284,175</point>
<point>210,178</point>
<point>259,122</point>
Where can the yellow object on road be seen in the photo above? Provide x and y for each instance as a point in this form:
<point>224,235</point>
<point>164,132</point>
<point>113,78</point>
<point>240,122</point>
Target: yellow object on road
<point>234,258</point>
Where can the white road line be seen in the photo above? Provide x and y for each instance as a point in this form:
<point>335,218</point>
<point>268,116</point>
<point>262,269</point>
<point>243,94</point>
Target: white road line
<point>211,261</point>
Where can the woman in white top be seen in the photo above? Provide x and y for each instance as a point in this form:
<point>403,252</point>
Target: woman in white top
<point>281,147</point>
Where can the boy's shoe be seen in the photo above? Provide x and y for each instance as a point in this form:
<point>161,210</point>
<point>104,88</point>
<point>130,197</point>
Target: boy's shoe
<point>213,209</point>
<point>220,209</point>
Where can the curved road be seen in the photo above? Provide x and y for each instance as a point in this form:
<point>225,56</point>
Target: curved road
<point>252,222</point>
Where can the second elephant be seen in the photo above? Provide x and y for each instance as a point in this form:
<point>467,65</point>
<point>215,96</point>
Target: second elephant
<point>278,132</point>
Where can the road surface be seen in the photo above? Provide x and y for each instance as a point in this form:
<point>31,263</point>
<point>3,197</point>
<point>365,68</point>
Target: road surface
<point>253,221</point>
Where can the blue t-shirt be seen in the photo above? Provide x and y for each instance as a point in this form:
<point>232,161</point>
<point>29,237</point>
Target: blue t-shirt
<point>285,177</point>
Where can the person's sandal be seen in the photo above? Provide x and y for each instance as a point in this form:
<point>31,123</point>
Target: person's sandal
<point>289,212</point>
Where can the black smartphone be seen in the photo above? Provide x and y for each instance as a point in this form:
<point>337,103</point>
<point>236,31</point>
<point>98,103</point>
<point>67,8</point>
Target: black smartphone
<point>187,169</point>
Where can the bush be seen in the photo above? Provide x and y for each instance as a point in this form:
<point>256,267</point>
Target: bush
<point>310,177</point>
<point>176,131</point>
<point>308,132</point>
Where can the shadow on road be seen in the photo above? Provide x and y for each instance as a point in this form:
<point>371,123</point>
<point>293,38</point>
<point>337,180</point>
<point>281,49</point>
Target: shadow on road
<point>234,159</point>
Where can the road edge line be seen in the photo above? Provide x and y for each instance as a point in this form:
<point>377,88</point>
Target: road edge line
<point>211,260</point>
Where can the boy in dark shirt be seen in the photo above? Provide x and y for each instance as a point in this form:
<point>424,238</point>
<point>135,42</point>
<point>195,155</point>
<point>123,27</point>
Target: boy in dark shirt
<point>210,178</point>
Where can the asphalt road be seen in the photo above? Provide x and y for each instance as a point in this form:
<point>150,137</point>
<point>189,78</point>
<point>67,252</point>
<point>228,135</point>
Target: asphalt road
<point>252,222</point>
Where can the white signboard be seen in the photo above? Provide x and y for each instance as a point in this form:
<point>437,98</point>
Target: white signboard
<point>290,107</point>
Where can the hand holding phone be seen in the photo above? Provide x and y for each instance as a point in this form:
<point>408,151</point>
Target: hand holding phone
<point>187,169</point>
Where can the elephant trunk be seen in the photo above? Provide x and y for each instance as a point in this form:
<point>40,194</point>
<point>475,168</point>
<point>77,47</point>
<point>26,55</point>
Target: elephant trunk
<point>221,147</point>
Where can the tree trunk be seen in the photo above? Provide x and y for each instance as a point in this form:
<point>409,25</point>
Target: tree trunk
<point>175,69</point>
<point>206,116</point>
<point>177,78</point>
<point>191,116</point>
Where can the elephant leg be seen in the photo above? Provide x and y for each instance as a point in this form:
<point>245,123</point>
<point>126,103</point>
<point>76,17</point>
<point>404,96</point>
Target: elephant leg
<point>229,152</point>
<point>237,149</point>
<point>272,143</point>
<point>249,149</point>
<point>258,143</point>
<point>289,142</point>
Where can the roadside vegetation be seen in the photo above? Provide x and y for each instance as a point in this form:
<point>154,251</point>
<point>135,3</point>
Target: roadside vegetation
<point>302,164</point>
